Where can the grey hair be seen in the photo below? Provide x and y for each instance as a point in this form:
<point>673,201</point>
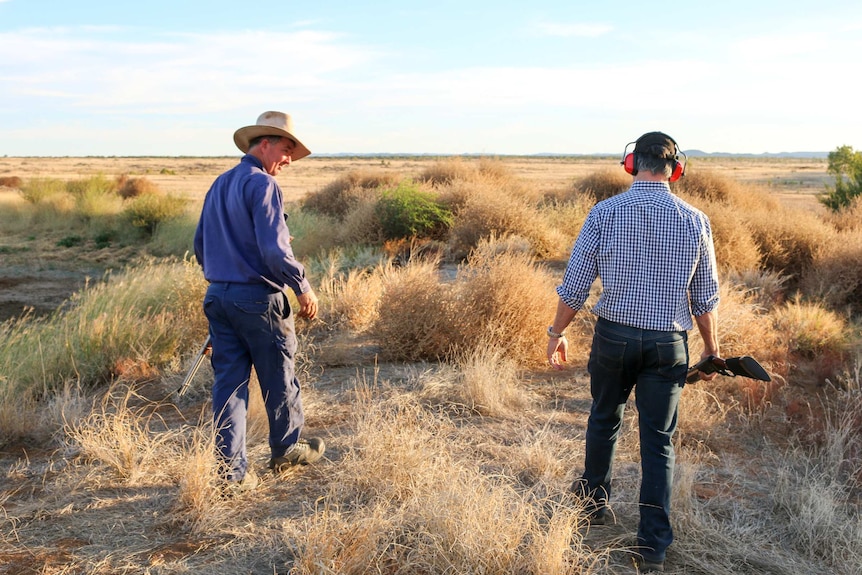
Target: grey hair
<point>654,164</point>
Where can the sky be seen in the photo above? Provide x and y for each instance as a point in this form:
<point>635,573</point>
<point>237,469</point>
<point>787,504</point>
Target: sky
<point>177,78</point>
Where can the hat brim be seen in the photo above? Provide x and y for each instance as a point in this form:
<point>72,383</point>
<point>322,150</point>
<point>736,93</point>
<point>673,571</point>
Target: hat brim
<point>245,135</point>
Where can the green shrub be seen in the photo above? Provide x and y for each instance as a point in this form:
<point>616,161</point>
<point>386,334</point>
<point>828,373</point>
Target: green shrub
<point>92,186</point>
<point>37,190</point>
<point>148,211</point>
<point>407,211</point>
<point>846,165</point>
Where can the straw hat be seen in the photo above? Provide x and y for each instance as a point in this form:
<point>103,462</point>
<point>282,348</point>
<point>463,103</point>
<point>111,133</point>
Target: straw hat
<point>270,124</point>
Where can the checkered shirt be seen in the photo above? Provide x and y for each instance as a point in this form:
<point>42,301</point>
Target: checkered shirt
<point>654,256</point>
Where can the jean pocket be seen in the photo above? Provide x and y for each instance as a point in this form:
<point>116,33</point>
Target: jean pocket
<point>608,354</point>
<point>672,358</point>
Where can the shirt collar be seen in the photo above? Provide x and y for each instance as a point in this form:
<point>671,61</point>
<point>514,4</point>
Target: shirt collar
<point>253,160</point>
<point>641,185</point>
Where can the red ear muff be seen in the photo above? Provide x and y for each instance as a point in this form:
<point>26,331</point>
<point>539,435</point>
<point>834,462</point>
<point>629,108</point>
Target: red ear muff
<point>629,164</point>
<point>678,170</point>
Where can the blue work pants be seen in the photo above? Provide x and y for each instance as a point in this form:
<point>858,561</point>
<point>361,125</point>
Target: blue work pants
<point>252,325</point>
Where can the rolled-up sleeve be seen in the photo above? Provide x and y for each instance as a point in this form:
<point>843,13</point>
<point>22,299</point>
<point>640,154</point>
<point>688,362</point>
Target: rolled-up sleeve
<point>582,269</point>
<point>703,290</point>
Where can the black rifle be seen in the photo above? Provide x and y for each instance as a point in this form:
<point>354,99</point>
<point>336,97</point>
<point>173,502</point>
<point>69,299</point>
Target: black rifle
<point>199,358</point>
<point>746,366</point>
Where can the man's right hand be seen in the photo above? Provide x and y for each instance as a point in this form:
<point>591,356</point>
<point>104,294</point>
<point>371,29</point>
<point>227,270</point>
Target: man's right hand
<point>307,304</point>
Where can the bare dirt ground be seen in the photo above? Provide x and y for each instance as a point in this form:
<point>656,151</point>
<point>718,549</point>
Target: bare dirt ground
<point>44,282</point>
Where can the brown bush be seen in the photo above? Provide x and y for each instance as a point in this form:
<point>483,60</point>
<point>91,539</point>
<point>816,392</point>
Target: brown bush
<point>835,276</point>
<point>482,212</point>
<point>789,240</point>
<point>601,185</point>
<point>337,198</point>
<point>735,246</point>
<point>848,218</point>
<point>416,314</point>
<point>11,182</point>
<point>446,171</point>
<point>506,301</point>
<point>133,187</point>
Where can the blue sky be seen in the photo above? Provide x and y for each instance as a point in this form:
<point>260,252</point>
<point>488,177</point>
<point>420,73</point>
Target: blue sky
<point>160,78</point>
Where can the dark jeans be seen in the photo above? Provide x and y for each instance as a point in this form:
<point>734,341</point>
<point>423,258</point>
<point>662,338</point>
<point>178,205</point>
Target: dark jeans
<point>654,363</point>
<point>251,325</point>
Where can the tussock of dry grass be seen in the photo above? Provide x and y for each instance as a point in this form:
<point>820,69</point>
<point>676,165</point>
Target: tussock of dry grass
<point>789,240</point>
<point>835,276</point>
<point>600,185</point>
<point>810,330</point>
<point>736,249</point>
<point>484,380</point>
<point>342,195</point>
<point>417,312</point>
<point>123,440</point>
<point>849,218</point>
<point>507,301</point>
<point>486,213</point>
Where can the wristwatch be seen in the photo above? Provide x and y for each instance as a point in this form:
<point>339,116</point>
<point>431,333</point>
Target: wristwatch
<point>555,335</point>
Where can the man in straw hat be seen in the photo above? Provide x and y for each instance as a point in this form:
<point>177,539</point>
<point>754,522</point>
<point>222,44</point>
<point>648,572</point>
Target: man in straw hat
<point>655,258</point>
<point>243,245</point>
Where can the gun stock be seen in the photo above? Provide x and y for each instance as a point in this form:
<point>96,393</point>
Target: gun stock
<point>744,366</point>
<point>199,358</point>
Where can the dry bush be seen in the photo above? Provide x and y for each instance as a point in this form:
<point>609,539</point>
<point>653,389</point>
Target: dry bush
<point>789,240</point>
<point>848,218</point>
<point>835,276</point>
<point>505,300</point>
<point>313,233</point>
<point>400,450</point>
<point>339,197</point>
<point>766,288</point>
<point>715,188</point>
<point>346,541</point>
<point>600,185</point>
<point>361,225</point>
<point>11,182</point>
<point>446,171</point>
<point>735,247</point>
<point>482,212</point>
<point>128,187</point>
<point>416,313</point>
<point>351,298</point>
<point>810,330</point>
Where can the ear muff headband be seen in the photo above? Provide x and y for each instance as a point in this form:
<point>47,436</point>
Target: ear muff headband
<point>628,162</point>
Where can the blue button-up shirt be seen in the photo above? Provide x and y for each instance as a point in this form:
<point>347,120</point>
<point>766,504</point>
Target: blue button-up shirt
<point>655,258</point>
<point>242,236</point>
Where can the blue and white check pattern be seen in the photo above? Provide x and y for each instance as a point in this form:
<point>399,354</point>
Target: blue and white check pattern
<point>654,256</point>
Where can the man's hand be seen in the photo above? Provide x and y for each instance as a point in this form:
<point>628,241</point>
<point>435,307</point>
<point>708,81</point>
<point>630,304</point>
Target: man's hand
<point>557,351</point>
<point>307,304</point>
<point>706,376</point>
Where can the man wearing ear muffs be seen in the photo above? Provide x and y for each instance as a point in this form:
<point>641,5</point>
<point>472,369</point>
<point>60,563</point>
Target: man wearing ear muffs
<point>655,258</point>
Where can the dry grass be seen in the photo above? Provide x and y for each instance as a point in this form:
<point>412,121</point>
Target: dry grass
<point>339,197</point>
<point>834,277</point>
<point>455,464</point>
